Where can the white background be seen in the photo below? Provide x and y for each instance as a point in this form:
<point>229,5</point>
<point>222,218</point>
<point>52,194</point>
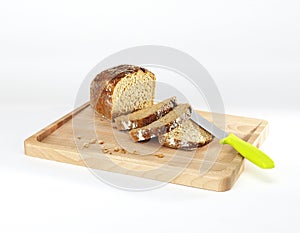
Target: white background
<point>251,49</point>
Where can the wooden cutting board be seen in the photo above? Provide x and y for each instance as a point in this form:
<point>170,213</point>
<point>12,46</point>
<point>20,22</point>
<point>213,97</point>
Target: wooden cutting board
<point>71,139</point>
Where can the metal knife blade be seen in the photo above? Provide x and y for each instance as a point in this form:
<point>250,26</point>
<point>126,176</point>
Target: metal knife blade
<point>245,149</point>
<point>208,126</point>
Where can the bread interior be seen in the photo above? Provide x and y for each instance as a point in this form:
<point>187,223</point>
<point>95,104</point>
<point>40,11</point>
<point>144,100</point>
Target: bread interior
<point>134,91</point>
<point>189,131</point>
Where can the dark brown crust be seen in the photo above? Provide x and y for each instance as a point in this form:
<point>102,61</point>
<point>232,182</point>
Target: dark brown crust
<point>124,122</point>
<point>146,133</point>
<point>179,144</point>
<point>102,87</point>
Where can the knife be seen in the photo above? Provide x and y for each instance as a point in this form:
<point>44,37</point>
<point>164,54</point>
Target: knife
<point>245,149</point>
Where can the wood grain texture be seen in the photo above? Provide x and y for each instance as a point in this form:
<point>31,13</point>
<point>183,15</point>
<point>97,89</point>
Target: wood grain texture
<point>213,167</point>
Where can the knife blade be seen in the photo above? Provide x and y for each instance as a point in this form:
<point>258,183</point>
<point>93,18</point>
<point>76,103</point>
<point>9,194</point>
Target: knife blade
<point>247,150</point>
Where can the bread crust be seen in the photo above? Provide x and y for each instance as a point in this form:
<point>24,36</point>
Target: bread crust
<point>145,133</point>
<point>103,85</point>
<point>125,122</point>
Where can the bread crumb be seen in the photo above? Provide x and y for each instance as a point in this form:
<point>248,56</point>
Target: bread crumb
<point>123,151</point>
<point>105,150</point>
<point>159,155</point>
<point>100,142</point>
<point>86,145</point>
<point>135,152</point>
<point>93,141</point>
<point>78,137</point>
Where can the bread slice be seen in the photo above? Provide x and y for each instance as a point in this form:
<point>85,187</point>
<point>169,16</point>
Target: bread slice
<point>187,136</point>
<point>165,124</point>
<point>144,116</point>
<point>121,90</point>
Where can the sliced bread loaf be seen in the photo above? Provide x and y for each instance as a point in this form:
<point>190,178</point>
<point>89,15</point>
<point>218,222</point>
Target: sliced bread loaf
<point>144,116</point>
<point>121,90</point>
<point>187,136</point>
<point>163,125</point>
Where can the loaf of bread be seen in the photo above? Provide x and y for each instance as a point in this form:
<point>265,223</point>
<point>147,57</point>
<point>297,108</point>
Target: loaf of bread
<point>121,90</point>
<point>125,94</point>
<point>187,136</point>
<point>163,125</point>
<point>144,116</point>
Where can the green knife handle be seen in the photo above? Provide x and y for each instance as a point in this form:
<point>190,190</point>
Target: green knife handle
<point>248,151</point>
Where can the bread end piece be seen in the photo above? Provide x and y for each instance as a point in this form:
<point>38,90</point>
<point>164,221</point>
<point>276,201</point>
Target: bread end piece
<point>121,90</point>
